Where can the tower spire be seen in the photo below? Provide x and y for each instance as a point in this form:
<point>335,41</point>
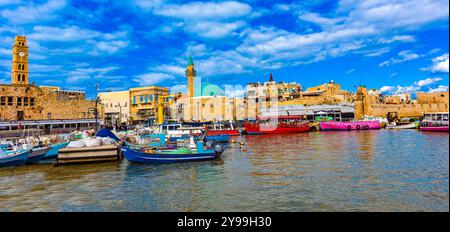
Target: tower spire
<point>190,62</point>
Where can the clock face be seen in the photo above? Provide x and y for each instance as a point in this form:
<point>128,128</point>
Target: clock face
<point>21,53</point>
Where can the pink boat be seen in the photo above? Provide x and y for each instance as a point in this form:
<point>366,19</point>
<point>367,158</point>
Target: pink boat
<point>435,122</point>
<point>357,125</point>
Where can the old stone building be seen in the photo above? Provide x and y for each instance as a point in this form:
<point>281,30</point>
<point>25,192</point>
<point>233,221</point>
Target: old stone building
<point>374,105</point>
<point>144,103</point>
<point>21,100</point>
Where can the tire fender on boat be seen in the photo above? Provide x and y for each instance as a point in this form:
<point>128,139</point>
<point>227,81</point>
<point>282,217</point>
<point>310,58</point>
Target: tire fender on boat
<point>358,127</point>
<point>349,127</point>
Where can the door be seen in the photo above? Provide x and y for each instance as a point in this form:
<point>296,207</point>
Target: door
<point>20,115</point>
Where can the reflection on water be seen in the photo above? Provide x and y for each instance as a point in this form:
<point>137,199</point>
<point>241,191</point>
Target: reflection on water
<point>382,170</point>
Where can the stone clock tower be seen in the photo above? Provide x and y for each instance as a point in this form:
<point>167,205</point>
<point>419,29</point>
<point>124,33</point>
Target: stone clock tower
<point>20,61</point>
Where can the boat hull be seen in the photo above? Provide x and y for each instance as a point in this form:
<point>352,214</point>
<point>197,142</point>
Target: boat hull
<point>408,126</point>
<point>253,129</point>
<point>54,150</point>
<point>136,156</point>
<point>16,159</point>
<point>435,128</point>
<point>37,154</point>
<point>359,125</point>
<point>222,132</point>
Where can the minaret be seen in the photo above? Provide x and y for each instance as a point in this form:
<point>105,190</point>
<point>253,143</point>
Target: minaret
<point>19,73</point>
<point>190,74</point>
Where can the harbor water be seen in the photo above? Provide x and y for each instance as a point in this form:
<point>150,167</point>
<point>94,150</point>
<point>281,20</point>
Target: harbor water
<point>379,170</point>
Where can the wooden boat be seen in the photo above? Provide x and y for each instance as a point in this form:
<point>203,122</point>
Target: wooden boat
<point>88,154</point>
<point>37,153</point>
<point>357,125</point>
<point>437,122</point>
<point>406,126</point>
<point>54,150</point>
<point>277,125</point>
<point>172,155</point>
<point>10,158</point>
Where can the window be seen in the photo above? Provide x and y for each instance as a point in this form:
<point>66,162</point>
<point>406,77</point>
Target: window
<point>134,100</point>
<point>146,98</point>
<point>2,100</point>
<point>10,101</point>
<point>141,98</point>
<point>32,101</point>
<point>156,97</point>
<point>19,101</point>
<point>49,115</point>
<point>151,97</point>
<point>25,101</point>
<point>125,104</point>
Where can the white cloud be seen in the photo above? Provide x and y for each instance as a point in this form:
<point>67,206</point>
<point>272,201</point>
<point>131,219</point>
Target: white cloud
<point>234,91</point>
<point>404,56</point>
<point>214,30</point>
<point>402,38</point>
<point>33,12</point>
<point>322,21</point>
<point>393,75</point>
<point>152,78</point>
<point>205,10</point>
<point>88,73</point>
<point>178,88</point>
<point>440,88</point>
<point>440,64</point>
<point>351,71</point>
<point>171,69</point>
<point>416,86</point>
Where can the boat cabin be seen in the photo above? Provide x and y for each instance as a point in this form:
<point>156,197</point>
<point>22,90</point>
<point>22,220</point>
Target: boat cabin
<point>435,119</point>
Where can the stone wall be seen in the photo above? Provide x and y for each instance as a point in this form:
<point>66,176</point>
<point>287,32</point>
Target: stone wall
<point>39,104</point>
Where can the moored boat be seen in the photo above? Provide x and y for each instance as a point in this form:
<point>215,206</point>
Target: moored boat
<point>354,125</point>
<point>37,153</point>
<point>437,122</point>
<point>54,150</point>
<point>11,158</point>
<point>277,125</point>
<point>221,129</point>
<point>412,125</point>
<point>182,154</point>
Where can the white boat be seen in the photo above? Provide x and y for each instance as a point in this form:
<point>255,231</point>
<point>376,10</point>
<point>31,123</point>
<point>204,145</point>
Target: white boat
<point>406,126</point>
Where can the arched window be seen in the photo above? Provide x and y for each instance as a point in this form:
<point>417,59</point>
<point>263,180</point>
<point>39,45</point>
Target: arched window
<point>23,67</point>
<point>18,77</point>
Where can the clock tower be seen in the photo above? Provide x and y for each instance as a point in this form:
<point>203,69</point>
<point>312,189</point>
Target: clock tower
<point>19,74</point>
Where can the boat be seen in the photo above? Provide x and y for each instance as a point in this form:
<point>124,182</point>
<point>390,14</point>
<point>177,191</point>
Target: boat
<point>54,150</point>
<point>276,125</point>
<point>37,153</point>
<point>221,129</point>
<point>11,158</point>
<point>182,154</point>
<point>412,125</point>
<point>352,125</point>
<point>88,154</point>
<point>437,122</point>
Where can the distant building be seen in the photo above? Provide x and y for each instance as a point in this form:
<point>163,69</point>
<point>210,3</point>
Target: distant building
<point>379,106</point>
<point>22,101</point>
<point>116,106</point>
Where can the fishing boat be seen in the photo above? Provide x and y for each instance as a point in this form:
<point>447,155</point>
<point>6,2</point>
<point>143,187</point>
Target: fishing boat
<point>412,125</point>
<point>54,150</point>
<point>10,158</point>
<point>182,154</point>
<point>276,125</point>
<point>352,125</point>
<point>221,129</point>
<point>37,153</point>
<point>437,122</point>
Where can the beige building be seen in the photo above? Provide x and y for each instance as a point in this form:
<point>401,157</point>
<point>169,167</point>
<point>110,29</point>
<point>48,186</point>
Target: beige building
<point>116,106</point>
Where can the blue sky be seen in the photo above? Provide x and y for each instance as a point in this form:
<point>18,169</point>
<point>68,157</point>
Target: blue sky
<point>396,45</point>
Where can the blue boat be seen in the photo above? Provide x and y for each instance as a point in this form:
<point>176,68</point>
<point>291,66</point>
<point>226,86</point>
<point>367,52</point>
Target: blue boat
<point>172,155</point>
<point>10,158</point>
<point>54,150</point>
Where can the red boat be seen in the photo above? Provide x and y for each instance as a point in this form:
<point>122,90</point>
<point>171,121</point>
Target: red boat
<point>220,129</point>
<point>277,125</point>
<point>435,122</point>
